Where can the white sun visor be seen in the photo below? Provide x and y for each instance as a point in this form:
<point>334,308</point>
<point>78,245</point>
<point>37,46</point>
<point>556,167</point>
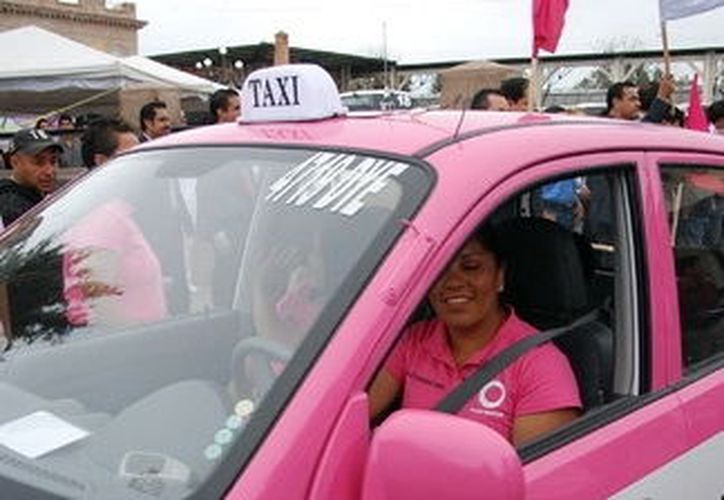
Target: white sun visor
<point>289,93</point>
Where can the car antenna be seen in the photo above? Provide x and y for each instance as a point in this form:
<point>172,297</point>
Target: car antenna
<point>462,116</point>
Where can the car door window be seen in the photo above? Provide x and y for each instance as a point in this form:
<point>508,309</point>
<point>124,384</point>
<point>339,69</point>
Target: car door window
<point>695,198</point>
<point>567,246</point>
<point>570,256</point>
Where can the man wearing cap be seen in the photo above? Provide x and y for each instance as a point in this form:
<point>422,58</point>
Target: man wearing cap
<point>33,157</point>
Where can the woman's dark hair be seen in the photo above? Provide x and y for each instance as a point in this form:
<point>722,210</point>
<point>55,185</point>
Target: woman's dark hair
<point>488,237</point>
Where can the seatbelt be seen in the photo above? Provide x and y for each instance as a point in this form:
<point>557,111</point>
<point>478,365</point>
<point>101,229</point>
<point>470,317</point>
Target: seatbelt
<point>455,400</point>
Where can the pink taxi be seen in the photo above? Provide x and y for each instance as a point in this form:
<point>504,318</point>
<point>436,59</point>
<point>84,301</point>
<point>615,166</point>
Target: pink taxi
<point>284,257</point>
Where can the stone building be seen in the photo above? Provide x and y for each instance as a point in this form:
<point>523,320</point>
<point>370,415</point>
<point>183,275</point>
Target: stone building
<point>90,22</point>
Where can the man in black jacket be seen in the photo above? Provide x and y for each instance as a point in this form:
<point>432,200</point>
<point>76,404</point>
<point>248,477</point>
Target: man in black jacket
<point>623,101</point>
<point>33,157</point>
<point>35,287</point>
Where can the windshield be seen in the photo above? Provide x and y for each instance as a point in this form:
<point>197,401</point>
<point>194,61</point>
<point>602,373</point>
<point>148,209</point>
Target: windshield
<point>155,313</point>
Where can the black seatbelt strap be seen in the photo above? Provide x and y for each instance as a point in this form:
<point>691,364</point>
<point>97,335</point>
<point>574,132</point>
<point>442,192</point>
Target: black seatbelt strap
<point>455,400</point>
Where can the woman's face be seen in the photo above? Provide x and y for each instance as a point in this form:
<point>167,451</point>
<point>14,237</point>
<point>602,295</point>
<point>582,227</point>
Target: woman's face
<point>466,294</point>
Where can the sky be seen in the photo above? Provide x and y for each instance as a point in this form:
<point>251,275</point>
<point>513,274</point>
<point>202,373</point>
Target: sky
<point>415,31</point>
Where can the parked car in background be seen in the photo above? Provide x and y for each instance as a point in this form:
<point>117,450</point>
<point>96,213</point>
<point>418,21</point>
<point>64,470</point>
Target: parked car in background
<point>376,100</point>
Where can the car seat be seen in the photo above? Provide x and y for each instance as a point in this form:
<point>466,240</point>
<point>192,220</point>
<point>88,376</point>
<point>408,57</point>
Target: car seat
<point>548,271</point>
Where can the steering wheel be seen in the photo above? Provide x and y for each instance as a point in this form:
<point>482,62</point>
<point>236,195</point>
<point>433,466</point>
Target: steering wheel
<point>256,363</point>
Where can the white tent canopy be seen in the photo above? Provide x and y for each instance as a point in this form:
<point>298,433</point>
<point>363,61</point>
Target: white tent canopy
<point>41,71</point>
<point>460,83</point>
<point>161,73</point>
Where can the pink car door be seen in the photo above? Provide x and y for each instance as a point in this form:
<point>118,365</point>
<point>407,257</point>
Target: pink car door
<point>692,188</point>
<point>639,426</point>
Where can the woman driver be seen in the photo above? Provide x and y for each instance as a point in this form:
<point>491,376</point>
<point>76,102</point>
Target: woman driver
<point>535,394</point>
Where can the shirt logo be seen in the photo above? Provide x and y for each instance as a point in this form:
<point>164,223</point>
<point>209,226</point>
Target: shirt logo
<point>492,395</point>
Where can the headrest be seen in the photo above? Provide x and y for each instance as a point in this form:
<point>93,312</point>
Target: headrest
<point>546,271</point>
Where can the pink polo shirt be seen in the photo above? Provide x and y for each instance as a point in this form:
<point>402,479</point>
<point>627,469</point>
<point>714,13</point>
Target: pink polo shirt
<point>539,381</point>
<point>119,256</point>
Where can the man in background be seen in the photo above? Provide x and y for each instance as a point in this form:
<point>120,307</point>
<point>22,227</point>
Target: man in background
<point>155,121</point>
<point>223,213</point>
<point>33,157</point>
<point>224,106</point>
<point>515,91</point>
<point>158,228</point>
<point>168,224</point>
<point>624,102</point>
<point>111,274</point>
<point>71,156</point>
<point>490,99</point>
<point>715,113</point>
<point>104,139</point>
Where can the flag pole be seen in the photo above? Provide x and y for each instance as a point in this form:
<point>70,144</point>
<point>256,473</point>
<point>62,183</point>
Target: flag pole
<point>667,61</point>
<point>667,53</point>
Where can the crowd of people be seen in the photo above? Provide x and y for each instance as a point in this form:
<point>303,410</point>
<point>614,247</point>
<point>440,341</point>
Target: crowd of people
<point>624,100</point>
<point>34,155</point>
<point>563,201</point>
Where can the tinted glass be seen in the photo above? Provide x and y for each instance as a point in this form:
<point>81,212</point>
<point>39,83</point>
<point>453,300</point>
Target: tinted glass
<point>695,197</point>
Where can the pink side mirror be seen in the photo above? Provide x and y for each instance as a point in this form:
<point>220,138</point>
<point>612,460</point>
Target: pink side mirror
<point>426,455</point>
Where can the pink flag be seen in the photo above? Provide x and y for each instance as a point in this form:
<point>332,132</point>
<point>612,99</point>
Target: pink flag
<point>696,120</point>
<point>548,19</point>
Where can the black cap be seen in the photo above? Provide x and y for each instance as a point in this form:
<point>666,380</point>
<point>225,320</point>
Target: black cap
<point>31,141</point>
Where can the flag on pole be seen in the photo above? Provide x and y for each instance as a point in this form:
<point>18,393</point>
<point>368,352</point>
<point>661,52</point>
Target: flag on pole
<point>676,9</point>
<point>696,120</point>
<point>548,20</point>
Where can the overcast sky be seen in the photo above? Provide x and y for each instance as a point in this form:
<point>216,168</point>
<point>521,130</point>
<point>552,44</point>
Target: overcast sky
<point>417,30</point>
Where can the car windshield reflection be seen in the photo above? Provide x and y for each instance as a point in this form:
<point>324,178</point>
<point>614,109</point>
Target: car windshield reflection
<point>150,311</point>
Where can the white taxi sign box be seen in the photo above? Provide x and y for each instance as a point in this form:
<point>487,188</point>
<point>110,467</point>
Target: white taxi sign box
<point>290,93</point>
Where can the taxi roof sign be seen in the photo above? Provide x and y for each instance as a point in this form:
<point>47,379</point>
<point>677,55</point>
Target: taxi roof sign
<point>290,92</point>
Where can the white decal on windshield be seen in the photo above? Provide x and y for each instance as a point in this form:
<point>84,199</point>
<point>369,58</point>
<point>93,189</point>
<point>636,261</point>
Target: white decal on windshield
<point>339,183</point>
<point>39,433</point>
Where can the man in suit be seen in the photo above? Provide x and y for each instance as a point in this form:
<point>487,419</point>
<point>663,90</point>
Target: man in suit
<point>155,121</point>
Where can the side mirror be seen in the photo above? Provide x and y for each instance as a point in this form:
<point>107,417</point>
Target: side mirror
<point>426,455</point>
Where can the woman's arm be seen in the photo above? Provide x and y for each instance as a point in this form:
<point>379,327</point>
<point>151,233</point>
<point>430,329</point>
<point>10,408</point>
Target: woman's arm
<point>528,427</point>
<point>382,392</point>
